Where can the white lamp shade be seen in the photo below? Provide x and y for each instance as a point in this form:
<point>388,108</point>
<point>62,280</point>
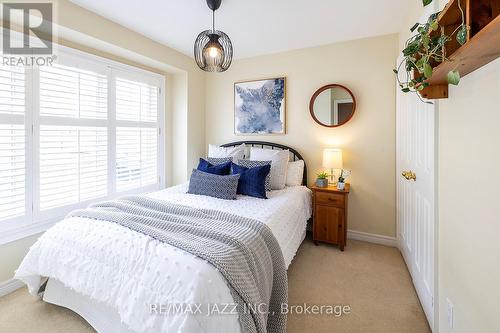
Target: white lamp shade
<point>332,158</point>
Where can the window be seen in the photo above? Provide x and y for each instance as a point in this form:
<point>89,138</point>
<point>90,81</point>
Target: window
<point>73,93</point>
<point>73,159</point>
<point>12,142</point>
<point>136,101</point>
<point>136,147</point>
<point>73,165</point>
<point>136,157</point>
<point>83,130</point>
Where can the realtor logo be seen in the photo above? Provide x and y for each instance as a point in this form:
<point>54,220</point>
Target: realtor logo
<point>36,20</point>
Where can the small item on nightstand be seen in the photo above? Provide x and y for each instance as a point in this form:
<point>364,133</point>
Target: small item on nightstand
<point>322,179</point>
<point>343,175</point>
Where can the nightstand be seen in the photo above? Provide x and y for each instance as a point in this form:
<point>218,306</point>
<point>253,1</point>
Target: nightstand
<point>330,215</point>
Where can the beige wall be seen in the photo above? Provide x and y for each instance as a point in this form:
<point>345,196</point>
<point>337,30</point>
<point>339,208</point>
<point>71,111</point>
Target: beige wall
<point>185,88</point>
<point>12,254</point>
<point>469,202</point>
<point>368,140</point>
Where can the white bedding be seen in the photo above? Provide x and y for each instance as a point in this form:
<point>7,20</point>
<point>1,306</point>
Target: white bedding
<point>129,271</point>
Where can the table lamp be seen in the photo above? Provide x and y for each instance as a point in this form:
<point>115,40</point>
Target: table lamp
<point>332,159</point>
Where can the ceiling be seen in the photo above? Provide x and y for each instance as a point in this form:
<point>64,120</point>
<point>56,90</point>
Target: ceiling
<point>256,27</point>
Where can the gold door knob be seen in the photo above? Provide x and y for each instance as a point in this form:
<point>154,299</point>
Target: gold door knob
<point>409,175</point>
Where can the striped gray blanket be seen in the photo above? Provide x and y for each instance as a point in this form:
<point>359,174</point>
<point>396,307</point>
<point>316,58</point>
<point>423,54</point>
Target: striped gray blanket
<point>244,250</point>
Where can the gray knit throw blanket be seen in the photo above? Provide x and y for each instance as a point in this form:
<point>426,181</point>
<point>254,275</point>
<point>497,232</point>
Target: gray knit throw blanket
<point>243,250</point>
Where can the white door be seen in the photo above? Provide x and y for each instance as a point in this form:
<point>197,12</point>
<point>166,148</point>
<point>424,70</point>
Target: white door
<point>416,197</point>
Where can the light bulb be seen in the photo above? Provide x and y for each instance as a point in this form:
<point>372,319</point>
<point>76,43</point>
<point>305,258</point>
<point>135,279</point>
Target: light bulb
<point>213,52</point>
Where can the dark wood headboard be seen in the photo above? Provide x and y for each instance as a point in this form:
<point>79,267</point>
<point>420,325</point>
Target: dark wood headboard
<point>262,144</point>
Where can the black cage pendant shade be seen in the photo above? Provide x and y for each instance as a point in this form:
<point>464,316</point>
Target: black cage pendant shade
<point>213,50</point>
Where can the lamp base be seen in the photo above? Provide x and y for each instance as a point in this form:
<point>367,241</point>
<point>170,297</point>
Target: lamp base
<point>332,181</point>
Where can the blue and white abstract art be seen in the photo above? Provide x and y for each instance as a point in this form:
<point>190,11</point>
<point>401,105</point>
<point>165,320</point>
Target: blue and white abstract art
<point>259,107</point>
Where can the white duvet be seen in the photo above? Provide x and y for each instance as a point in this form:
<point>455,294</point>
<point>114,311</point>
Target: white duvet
<point>130,272</point>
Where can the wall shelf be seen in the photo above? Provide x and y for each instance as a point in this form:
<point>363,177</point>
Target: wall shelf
<point>482,45</point>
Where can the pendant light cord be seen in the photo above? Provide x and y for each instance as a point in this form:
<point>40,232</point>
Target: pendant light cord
<point>213,21</point>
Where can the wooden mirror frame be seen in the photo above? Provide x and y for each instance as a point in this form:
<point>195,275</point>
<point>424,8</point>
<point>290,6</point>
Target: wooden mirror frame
<point>319,91</point>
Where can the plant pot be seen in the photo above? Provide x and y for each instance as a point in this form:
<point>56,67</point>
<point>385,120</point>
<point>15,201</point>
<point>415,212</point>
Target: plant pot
<point>322,182</point>
<point>340,186</point>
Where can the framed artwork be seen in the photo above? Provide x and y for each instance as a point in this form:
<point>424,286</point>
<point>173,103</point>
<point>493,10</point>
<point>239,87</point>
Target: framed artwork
<point>260,107</point>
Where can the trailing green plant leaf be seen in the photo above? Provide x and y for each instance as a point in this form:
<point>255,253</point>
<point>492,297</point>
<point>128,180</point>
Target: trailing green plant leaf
<point>426,2</point>
<point>434,25</point>
<point>427,71</point>
<point>411,49</point>
<point>462,35</point>
<point>426,40</point>
<point>453,77</point>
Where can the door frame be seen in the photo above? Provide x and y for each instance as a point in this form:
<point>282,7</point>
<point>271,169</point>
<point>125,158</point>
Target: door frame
<point>435,327</point>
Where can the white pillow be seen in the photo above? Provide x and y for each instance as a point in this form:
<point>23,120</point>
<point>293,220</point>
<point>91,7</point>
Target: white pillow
<point>279,163</point>
<point>237,152</point>
<point>295,173</point>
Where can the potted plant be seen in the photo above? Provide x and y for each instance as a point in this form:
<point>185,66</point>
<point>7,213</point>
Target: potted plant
<point>343,175</point>
<point>322,179</point>
<point>425,50</point>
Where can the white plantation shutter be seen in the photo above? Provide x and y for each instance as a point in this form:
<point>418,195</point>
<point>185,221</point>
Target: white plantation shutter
<point>93,168</point>
<point>136,157</point>
<point>73,160</point>
<point>73,165</point>
<point>149,156</point>
<point>12,90</point>
<point>12,142</point>
<point>137,149</point>
<point>12,171</point>
<point>71,92</point>
<point>128,158</point>
<point>136,101</point>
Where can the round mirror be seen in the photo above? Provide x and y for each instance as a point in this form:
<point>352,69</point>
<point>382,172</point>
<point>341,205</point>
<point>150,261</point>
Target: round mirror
<point>332,105</point>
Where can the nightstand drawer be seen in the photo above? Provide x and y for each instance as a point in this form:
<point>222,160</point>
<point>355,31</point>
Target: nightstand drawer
<point>332,199</point>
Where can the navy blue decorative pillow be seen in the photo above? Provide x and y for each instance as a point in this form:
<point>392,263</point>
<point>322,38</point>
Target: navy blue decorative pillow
<point>222,187</point>
<point>221,169</point>
<point>252,180</point>
<point>252,164</point>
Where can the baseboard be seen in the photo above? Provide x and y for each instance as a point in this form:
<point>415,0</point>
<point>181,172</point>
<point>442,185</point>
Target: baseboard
<point>372,238</point>
<point>9,286</point>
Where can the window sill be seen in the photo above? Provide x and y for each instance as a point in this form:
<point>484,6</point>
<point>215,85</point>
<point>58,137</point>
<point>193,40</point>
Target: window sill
<point>16,229</point>
<point>9,235</point>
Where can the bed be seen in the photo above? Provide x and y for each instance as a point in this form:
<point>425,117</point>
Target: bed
<point>118,279</point>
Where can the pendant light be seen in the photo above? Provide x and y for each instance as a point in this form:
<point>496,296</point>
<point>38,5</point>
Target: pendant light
<point>213,50</point>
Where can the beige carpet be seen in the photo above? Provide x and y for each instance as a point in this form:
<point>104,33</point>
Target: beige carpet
<point>371,279</point>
